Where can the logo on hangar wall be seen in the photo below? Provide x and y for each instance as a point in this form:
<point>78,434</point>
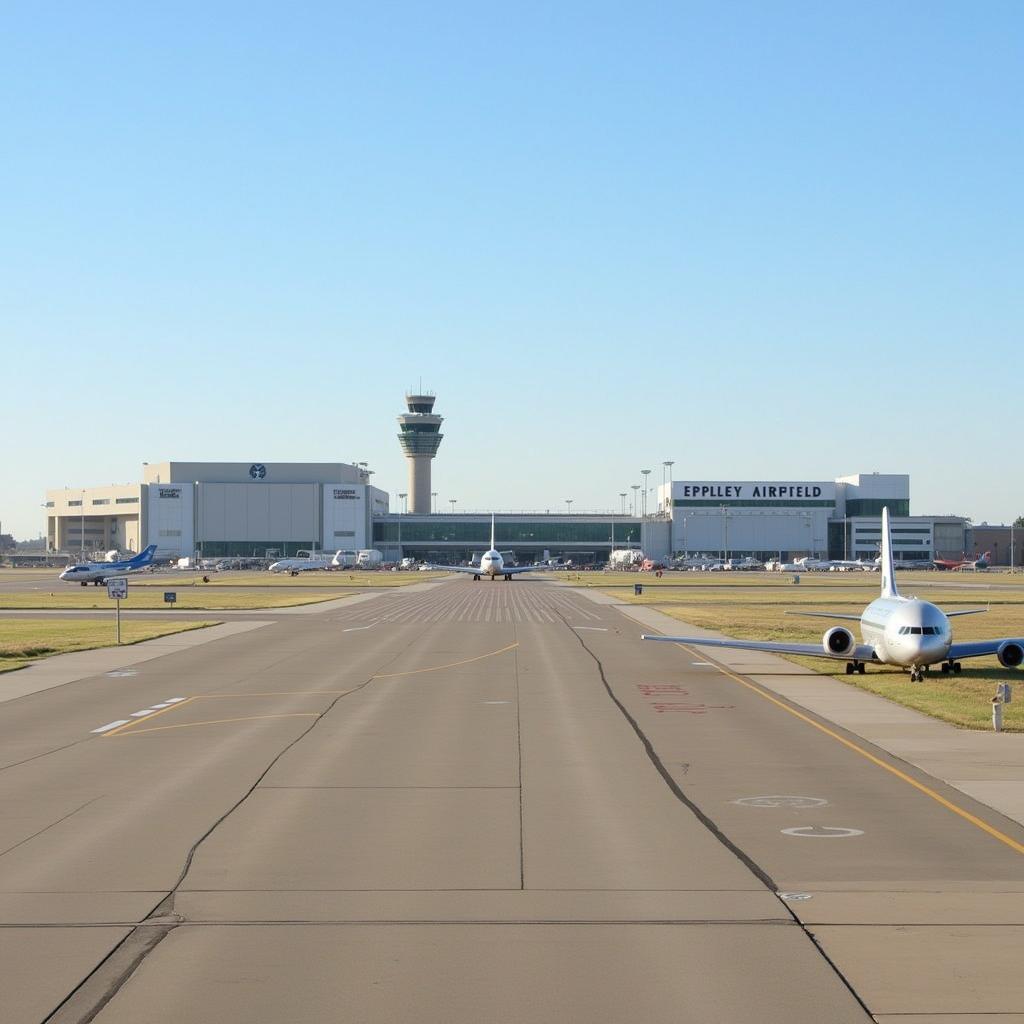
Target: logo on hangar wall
<point>257,471</point>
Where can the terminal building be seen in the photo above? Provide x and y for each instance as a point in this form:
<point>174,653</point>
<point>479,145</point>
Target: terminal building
<point>525,538</point>
<point>784,519</point>
<point>220,509</point>
<point>264,510</point>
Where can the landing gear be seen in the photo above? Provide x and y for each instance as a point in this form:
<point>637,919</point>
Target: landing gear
<point>476,577</point>
<point>951,666</point>
<point>917,673</point>
<point>855,666</point>
<point>508,577</point>
<point>85,583</point>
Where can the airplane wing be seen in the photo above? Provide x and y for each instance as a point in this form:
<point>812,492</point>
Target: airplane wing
<point>455,568</point>
<point>862,652</point>
<point>827,615</point>
<point>524,568</point>
<point>979,648</point>
<point>966,611</point>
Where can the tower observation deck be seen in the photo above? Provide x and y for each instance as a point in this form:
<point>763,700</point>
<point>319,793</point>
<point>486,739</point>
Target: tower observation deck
<point>420,438</point>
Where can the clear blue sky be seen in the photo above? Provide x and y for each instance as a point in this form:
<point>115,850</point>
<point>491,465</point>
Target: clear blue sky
<point>765,240</point>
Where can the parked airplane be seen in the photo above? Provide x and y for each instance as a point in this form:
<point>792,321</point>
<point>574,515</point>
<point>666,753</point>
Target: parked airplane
<point>100,572</point>
<point>963,563</point>
<point>492,564</point>
<point>895,630</point>
<point>293,566</point>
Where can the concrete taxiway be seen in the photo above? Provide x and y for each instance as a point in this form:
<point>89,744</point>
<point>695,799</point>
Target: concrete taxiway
<point>481,802</point>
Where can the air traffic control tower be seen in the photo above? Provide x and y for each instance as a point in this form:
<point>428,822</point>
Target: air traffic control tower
<point>420,438</point>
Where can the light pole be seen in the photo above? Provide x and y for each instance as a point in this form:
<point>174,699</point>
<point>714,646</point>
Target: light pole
<point>721,508</point>
<point>622,495</point>
<point>668,464</point>
<point>568,506</point>
<point>433,498</point>
<point>403,496</point>
<point>82,527</point>
<point>636,500</point>
<point>451,501</point>
<point>646,473</point>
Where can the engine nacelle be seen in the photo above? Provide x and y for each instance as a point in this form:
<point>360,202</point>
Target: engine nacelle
<point>838,641</point>
<point>1010,654</point>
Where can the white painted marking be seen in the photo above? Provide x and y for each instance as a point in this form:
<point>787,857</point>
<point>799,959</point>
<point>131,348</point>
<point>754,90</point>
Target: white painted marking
<point>142,714</point>
<point>794,896</point>
<point>781,801</point>
<point>497,702</point>
<point>175,700</point>
<point>597,629</point>
<point>700,663</point>
<point>111,725</point>
<point>822,832</point>
<point>156,706</point>
<point>123,672</point>
<point>356,629</point>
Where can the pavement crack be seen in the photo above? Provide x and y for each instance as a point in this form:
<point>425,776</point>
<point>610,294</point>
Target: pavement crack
<point>666,775</point>
<point>707,821</point>
<point>86,1002</point>
<point>101,985</point>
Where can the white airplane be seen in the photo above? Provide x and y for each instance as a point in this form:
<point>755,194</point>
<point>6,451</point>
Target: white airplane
<point>895,630</point>
<point>100,572</point>
<point>293,566</point>
<point>491,564</point>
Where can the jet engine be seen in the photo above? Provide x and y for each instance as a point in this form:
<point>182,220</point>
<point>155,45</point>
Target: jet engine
<point>1010,654</point>
<point>838,641</point>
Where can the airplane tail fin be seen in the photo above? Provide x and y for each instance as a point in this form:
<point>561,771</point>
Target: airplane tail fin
<point>145,557</point>
<point>888,578</point>
<point>492,532</point>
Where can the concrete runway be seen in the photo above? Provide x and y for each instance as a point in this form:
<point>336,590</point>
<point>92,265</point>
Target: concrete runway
<point>480,802</point>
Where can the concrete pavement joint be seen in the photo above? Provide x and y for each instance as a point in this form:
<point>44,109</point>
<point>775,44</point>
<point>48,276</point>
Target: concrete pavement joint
<point>713,828</point>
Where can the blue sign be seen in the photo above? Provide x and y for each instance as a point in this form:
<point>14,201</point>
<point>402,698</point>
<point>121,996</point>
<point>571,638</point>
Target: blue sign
<point>257,471</point>
<point>170,597</point>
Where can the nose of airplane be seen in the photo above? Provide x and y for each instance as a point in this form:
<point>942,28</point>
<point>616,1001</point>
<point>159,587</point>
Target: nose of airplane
<point>926,649</point>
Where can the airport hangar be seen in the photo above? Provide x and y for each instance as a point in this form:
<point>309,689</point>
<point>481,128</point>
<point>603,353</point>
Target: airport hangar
<point>220,509</point>
<point>268,509</point>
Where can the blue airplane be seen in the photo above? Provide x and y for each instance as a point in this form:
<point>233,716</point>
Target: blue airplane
<point>100,572</point>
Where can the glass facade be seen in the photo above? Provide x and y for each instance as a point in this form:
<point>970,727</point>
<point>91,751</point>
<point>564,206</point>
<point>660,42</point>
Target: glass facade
<point>454,531</point>
<point>874,506</point>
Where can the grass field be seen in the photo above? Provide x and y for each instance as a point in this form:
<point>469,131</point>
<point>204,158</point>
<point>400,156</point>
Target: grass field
<point>26,640</point>
<point>230,591</point>
<point>753,606</point>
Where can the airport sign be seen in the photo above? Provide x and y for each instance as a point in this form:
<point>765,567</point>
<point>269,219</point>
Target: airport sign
<point>117,589</point>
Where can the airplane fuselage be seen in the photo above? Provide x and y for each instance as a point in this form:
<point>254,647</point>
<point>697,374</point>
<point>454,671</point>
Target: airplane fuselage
<point>94,573</point>
<point>492,564</point>
<point>907,632</point>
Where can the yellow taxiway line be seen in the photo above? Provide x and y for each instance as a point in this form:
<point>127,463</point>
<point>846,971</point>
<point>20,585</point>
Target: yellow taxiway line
<point>222,721</point>
<point>849,744</point>
<point>148,718</point>
<point>452,664</point>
